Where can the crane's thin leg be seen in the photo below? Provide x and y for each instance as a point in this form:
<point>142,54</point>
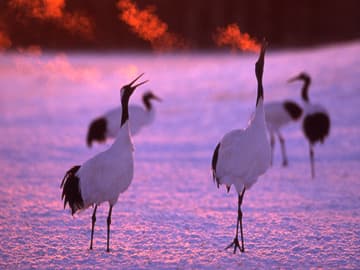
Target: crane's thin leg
<point>240,218</point>
<point>272,144</point>
<point>312,161</point>
<point>235,243</point>
<point>93,219</point>
<point>108,228</point>
<point>283,150</point>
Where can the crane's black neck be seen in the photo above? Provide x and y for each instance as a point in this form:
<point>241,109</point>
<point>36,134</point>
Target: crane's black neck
<point>125,108</point>
<point>305,89</point>
<point>260,91</point>
<point>259,70</point>
<point>147,103</point>
<point>125,113</point>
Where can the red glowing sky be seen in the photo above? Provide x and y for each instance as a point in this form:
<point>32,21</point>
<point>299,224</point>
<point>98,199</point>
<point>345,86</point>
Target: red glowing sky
<point>166,25</point>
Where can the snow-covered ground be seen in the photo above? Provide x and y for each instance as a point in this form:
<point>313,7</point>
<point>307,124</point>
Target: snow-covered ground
<point>173,216</point>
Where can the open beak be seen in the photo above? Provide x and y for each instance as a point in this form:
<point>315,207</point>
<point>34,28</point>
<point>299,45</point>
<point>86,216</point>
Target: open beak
<point>139,84</point>
<point>138,77</point>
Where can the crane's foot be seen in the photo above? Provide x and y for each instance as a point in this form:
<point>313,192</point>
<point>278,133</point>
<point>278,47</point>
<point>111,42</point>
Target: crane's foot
<point>236,245</point>
<point>285,163</point>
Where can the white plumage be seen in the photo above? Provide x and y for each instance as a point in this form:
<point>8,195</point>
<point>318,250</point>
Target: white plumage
<point>316,120</point>
<point>139,118</point>
<point>244,154</point>
<point>279,114</point>
<point>114,167</point>
<point>276,115</point>
<point>105,176</point>
<point>107,125</point>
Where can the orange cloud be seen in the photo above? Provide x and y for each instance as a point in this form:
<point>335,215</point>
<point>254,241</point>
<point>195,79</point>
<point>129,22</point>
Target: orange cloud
<point>232,36</point>
<point>148,26</point>
<point>77,23</point>
<point>41,9</point>
<point>54,10</point>
<point>5,41</point>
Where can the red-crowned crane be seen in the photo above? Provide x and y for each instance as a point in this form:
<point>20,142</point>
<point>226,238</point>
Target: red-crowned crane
<point>105,176</point>
<point>244,154</point>
<point>316,120</point>
<point>107,125</point>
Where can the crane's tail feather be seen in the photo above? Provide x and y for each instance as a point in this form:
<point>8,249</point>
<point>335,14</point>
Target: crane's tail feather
<point>214,163</point>
<point>71,190</point>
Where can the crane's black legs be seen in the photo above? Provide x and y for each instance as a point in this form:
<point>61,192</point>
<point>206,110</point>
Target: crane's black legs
<point>108,228</point>
<point>283,150</point>
<point>240,214</point>
<point>235,243</point>
<point>93,219</point>
<point>312,161</point>
<point>272,144</point>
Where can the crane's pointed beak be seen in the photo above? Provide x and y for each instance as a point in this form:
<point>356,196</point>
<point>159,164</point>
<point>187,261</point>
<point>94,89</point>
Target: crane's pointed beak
<point>136,85</point>
<point>133,87</point>
<point>157,98</point>
<point>293,79</point>
<point>138,77</point>
<point>264,45</point>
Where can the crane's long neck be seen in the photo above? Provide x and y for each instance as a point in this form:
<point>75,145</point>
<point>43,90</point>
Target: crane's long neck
<point>305,90</point>
<point>259,118</point>
<point>258,122</point>
<point>259,110</point>
<point>260,92</point>
<point>123,136</point>
<point>147,103</point>
<point>125,110</point>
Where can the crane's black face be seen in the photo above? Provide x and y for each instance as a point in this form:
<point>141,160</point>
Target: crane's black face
<point>150,95</point>
<point>302,77</point>
<point>127,90</point>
